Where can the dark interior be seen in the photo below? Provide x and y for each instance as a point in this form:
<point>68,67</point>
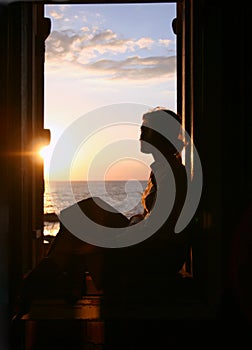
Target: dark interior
<point>214,93</point>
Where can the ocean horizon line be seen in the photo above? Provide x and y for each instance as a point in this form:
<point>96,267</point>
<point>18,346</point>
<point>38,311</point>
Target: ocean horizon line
<point>127,180</point>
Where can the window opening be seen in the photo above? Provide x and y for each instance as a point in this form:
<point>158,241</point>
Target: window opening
<point>99,56</point>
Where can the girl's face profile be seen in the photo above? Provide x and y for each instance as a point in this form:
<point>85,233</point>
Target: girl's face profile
<point>145,139</point>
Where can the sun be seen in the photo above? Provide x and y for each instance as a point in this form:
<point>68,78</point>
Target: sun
<point>44,152</point>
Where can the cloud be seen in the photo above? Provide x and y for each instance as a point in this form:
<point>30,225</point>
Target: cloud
<point>56,15</point>
<point>105,54</point>
<point>106,35</point>
<point>165,42</point>
<point>135,68</point>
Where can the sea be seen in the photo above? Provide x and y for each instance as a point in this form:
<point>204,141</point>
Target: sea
<point>125,196</point>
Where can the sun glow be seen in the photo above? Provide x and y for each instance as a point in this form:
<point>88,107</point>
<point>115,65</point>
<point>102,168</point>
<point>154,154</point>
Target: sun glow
<point>45,152</point>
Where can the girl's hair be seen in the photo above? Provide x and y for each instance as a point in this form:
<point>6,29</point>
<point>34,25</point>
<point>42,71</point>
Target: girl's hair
<point>154,121</point>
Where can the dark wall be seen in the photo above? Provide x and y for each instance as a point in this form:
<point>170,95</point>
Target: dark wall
<point>223,75</point>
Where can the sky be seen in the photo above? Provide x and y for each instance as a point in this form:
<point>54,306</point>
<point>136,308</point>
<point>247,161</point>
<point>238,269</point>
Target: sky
<point>102,60</point>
